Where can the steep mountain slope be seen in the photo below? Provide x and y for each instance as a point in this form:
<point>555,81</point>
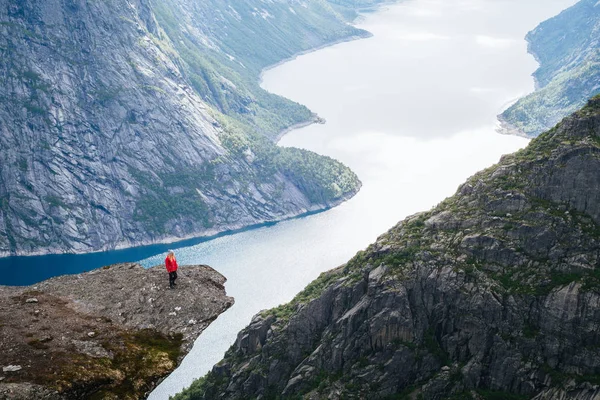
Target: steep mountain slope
<point>493,294</point>
<point>125,122</point>
<point>568,50</point>
<point>225,46</point>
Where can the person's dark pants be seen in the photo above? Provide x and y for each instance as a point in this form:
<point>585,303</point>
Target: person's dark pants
<point>172,277</point>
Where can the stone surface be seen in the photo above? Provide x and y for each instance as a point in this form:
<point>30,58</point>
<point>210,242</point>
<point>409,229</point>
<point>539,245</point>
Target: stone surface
<point>11,368</point>
<point>493,294</point>
<point>129,122</point>
<point>104,333</point>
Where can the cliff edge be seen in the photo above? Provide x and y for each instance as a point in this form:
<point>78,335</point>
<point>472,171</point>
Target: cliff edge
<point>493,294</point>
<point>112,333</point>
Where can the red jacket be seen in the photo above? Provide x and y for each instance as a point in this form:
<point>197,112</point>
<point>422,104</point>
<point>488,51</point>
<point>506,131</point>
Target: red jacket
<point>171,264</point>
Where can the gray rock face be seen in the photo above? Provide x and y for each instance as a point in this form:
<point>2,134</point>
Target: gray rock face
<point>110,136</point>
<point>110,333</point>
<point>494,293</point>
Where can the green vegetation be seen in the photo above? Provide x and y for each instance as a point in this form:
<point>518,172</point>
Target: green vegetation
<point>566,93</point>
<point>225,74</point>
<point>501,233</point>
<point>215,49</point>
<point>198,388</point>
<point>170,195</point>
<point>321,178</point>
<point>140,358</point>
<point>431,343</point>
<point>23,165</point>
<point>34,109</point>
<point>248,40</point>
<point>147,355</point>
<point>569,70</point>
<point>161,205</point>
<point>312,291</point>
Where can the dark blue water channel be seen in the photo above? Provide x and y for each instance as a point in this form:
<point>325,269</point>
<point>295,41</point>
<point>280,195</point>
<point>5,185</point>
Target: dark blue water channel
<point>28,270</point>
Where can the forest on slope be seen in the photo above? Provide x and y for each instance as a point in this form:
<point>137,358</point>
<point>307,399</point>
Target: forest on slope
<point>568,50</point>
<point>132,122</point>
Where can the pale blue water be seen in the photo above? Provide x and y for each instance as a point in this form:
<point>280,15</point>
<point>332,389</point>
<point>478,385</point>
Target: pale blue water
<point>412,110</point>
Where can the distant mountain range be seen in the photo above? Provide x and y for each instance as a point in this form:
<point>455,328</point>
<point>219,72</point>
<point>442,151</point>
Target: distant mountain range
<point>568,50</point>
<point>131,122</point>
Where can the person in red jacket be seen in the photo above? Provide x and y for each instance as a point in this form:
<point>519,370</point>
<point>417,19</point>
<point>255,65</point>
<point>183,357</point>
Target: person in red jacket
<point>171,264</point>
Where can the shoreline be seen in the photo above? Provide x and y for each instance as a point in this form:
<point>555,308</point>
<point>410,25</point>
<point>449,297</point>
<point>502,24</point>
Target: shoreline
<point>176,242</point>
<point>351,38</point>
<point>364,34</point>
<point>232,229</point>
<point>314,119</point>
<point>506,128</point>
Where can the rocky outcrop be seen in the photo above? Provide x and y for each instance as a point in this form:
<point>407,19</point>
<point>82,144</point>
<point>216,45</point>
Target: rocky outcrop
<point>111,333</point>
<point>493,294</point>
<point>567,48</point>
<point>129,122</point>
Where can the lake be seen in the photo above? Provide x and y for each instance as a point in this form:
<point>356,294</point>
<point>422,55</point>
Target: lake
<point>412,110</point>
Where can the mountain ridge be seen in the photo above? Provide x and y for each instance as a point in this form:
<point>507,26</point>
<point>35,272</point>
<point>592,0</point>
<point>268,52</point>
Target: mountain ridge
<point>493,294</point>
<point>135,122</point>
<point>567,49</point>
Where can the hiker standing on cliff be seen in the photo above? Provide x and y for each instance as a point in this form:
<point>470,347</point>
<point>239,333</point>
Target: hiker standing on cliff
<point>171,264</point>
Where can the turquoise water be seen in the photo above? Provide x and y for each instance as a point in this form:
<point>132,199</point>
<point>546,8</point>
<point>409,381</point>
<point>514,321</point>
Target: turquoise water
<point>412,110</point>
<point>22,271</point>
<point>29,270</point>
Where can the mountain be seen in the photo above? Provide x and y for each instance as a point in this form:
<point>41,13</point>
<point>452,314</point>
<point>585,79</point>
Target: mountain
<point>568,50</point>
<point>493,294</point>
<point>126,122</point>
<point>112,333</point>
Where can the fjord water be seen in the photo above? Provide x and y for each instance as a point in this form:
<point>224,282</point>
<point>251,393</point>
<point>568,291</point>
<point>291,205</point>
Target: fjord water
<point>411,110</point>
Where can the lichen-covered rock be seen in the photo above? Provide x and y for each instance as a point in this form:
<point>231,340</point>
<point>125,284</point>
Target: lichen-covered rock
<point>493,294</point>
<point>111,333</point>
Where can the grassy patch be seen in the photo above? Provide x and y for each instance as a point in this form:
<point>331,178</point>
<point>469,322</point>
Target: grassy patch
<point>140,359</point>
<point>312,291</point>
<point>146,356</point>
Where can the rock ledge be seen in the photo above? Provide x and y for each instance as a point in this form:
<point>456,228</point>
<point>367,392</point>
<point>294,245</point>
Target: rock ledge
<point>114,332</point>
